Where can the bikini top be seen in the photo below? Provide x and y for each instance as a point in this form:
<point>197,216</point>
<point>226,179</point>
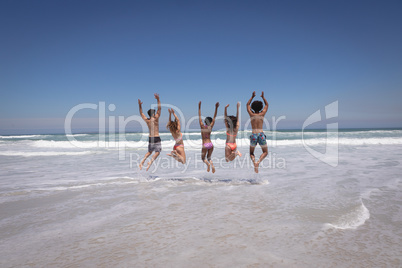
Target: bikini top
<point>179,139</point>
<point>206,135</point>
<point>231,134</point>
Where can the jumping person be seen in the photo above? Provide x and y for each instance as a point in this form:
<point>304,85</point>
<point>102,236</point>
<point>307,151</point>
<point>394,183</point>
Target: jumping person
<point>207,146</point>
<point>174,127</point>
<point>232,127</point>
<point>257,113</point>
<point>153,127</point>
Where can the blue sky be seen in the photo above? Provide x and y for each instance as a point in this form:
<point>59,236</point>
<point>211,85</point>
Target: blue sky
<point>302,54</point>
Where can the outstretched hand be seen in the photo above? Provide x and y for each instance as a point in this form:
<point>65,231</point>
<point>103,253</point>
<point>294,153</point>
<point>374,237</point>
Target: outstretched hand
<point>238,105</point>
<point>226,106</point>
<point>262,94</point>
<point>156,96</point>
<point>199,104</point>
<point>253,95</point>
<point>217,105</point>
<point>139,102</point>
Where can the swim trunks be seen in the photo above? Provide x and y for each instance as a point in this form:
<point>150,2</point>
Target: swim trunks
<point>208,145</point>
<point>154,145</point>
<point>259,138</point>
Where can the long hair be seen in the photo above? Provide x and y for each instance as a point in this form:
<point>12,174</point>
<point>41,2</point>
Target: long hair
<point>172,126</point>
<point>231,121</point>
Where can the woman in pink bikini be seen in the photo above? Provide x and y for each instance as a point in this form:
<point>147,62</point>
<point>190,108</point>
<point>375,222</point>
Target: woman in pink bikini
<point>232,127</point>
<point>207,146</point>
<point>174,127</point>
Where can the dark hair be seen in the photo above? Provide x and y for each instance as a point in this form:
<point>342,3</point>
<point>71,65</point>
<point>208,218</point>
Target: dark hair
<point>208,121</point>
<point>231,121</point>
<point>151,112</point>
<point>256,106</point>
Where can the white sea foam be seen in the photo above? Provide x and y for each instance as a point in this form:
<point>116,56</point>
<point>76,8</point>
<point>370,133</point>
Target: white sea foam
<point>23,136</point>
<point>77,135</point>
<point>107,207</point>
<point>48,153</point>
<point>356,217</point>
<point>218,142</point>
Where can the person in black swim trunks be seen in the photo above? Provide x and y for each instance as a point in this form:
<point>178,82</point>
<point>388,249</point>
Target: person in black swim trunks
<point>153,126</point>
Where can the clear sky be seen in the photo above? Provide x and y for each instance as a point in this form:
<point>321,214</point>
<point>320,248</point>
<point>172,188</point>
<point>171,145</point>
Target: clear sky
<point>55,55</point>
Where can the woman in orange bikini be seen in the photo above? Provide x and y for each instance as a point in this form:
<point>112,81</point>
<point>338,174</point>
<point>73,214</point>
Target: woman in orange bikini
<point>174,127</point>
<point>232,127</point>
<point>207,146</point>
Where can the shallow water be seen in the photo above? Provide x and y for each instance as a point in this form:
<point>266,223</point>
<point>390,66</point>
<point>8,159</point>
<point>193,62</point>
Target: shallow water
<point>64,206</point>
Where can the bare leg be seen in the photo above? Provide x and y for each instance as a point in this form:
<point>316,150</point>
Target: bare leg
<point>176,156</point>
<point>143,160</point>
<point>181,154</point>
<point>263,155</point>
<point>203,153</point>
<point>256,165</point>
<point>252,148</point>
<point>212,166</point>
<point>229,154</point>
<point>208,164</point>
<point>153,159</point>
<point>210,161</point>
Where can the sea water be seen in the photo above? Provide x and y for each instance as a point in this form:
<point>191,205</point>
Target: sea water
<point>81,201</point>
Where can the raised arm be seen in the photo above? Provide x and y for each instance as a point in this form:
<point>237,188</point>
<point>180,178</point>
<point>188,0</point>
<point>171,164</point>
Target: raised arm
<point>158,113</point>
<point>170,115</point>
<point>199,114</point>
<point>249,102</point>
<point>264,111</point>
<point>177,119</point>
<point>216,112</point>
<point>141,113</point>
<point>237,116</point>
<point>226,116</point>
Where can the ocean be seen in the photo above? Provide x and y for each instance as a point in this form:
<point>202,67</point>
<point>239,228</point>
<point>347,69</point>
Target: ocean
<point>320,199</point>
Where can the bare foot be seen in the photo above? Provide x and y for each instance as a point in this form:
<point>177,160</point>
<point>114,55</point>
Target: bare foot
<point>149,165</point>
<point>213,168</point>
<point>256,164</point>
<point>173,153</point>
<point>239,154</point>
<point>140,166</point>
<point>208,166</point>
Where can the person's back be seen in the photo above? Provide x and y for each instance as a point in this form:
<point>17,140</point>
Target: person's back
<point>206,134</point>
<point>232,127</point>
<point>257,113</point>
<point>257,121</point>
<point>153,127</point>
<point>174,127</point>
<point>206,129</point>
